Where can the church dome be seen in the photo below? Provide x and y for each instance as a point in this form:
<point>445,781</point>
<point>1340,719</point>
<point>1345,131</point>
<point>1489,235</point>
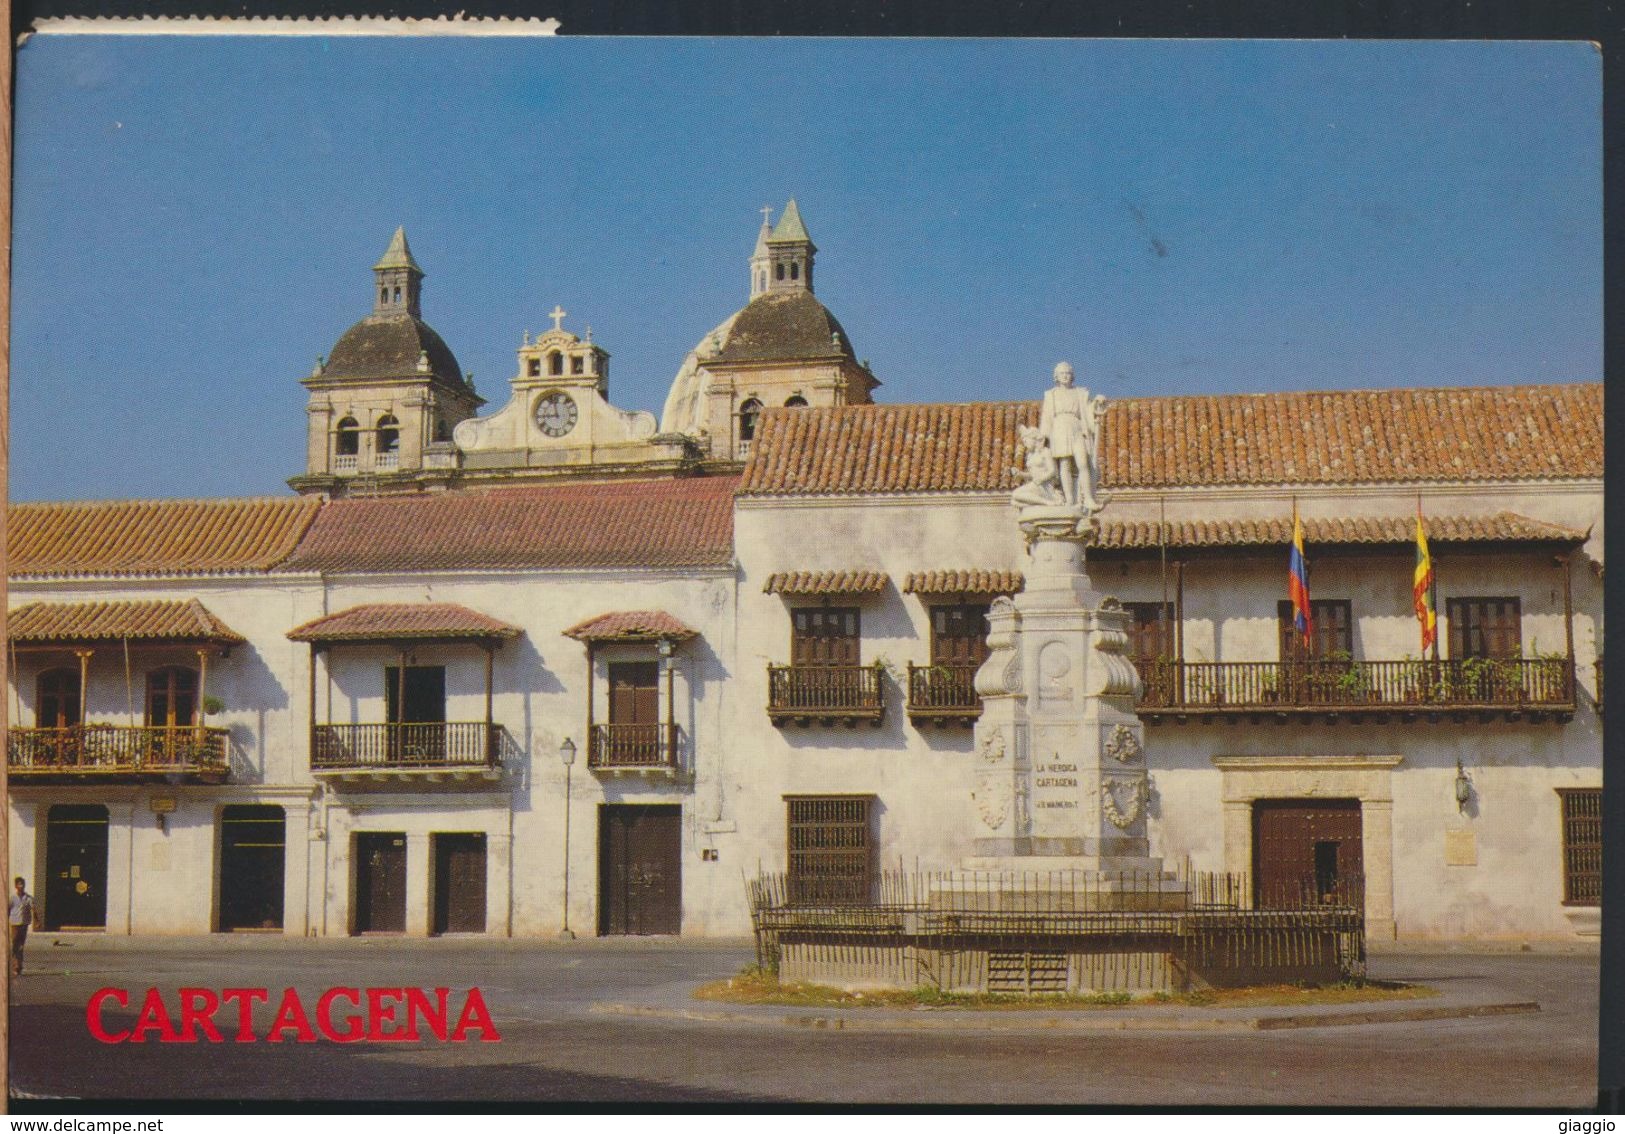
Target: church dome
<point>784,326</point>
<point>392,346</point>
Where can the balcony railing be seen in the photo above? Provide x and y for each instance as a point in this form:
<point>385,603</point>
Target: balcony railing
<point>345,462</point>
<point>117,750</point>
<point>387,460</point>
<point>430,746</point>
<point>806,693</point>
<point>1331,685</point>
<point>633,746</point>
<point>943,692</point>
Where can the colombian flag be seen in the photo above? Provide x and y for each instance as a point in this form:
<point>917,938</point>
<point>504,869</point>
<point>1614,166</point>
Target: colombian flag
<point>1422,587</point>
<point>1297,582</point>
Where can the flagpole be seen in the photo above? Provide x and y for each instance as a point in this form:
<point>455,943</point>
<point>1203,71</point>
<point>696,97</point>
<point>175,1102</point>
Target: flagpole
<point>1162,545</point>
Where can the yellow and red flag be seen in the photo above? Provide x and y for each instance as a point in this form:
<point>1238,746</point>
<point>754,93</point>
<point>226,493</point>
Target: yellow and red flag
<point>1422,586</point>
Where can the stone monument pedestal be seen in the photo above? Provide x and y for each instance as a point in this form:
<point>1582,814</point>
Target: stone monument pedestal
<point>1061,787</point>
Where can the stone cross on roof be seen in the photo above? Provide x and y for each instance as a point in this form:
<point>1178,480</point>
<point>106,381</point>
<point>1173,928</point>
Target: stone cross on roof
<point>557,315</point>
<point>767,214</point>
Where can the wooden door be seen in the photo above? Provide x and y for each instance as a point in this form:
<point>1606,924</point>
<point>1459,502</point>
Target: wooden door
<point>57,700</point>
<point>171,697</point>
<point>253,857</point>
<point>640,884</point>
<point>380,883</point>
<point>1306,852</point>
<point>634,693</point>
<point>417,706</point>
<point>459,883</point>
<point>76,866</point>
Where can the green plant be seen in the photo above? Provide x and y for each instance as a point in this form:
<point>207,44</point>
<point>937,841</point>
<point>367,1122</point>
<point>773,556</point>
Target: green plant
<point>213,705</point>
<point>886,666</point>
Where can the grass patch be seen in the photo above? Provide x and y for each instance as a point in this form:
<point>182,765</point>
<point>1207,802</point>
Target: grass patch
<point>756,986</point>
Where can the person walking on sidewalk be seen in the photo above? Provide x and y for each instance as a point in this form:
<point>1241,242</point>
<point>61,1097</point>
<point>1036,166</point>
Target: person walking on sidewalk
<point>22,916</point>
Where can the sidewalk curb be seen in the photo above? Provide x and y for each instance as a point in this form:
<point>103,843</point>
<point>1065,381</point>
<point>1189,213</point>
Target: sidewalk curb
<point>1012,1021</point>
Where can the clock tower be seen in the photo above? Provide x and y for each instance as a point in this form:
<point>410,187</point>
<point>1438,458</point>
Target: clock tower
<point>558,418</point>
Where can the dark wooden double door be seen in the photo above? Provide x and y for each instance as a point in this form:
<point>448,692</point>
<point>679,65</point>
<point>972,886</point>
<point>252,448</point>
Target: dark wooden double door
<point>459,883</point>
<point>1307,852</point>
<point>458,895</point>
<point>380,882</point>
<point>640,879</point>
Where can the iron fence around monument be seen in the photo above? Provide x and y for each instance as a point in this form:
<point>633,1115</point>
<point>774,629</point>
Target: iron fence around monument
<point>1200,921</point>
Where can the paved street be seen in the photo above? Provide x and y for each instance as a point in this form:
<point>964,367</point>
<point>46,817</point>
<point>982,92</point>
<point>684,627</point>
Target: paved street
<point>555,1047</point>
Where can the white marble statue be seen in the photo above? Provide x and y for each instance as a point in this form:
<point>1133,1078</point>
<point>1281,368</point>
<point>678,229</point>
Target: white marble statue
<point>1071,424</point>
<point>1043,481</point>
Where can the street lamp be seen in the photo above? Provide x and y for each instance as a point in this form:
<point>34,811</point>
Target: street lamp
<point>567,753</point>
<point>1464,787</point>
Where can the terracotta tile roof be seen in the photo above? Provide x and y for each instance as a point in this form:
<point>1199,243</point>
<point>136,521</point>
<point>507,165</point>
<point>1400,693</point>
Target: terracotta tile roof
<point>1502,527</point>
<point>964,582</point>
<point>625,523</point>
<point>885,448</point>
<point>155,537</point>
<point>1317,437</point>
<point>153,620</point>
<point>402,621</point>
<point>826,583</point>
<point>632,626</point>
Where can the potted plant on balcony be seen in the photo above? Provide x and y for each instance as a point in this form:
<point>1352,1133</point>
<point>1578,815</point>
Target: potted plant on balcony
<point>1350,681</point>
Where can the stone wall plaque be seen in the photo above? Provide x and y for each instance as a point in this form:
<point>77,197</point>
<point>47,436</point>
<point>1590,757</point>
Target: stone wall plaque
<point>1461,847</point>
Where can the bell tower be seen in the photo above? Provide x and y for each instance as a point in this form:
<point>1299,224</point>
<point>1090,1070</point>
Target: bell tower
<point>790,253</point>
<point>399,280</point>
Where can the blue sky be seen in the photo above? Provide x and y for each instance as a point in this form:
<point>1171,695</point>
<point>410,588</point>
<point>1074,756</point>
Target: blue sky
<point>195,219</point>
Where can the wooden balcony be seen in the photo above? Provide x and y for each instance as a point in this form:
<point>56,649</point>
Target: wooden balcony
<point>825,694</point>
<point>1456,689</point>
<point>943,694</point>
<point>633,748</point>
<point>117,752</point>
<point>439,750</point>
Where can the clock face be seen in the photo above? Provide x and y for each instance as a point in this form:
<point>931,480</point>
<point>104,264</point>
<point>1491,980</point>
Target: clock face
<point>556,414</point>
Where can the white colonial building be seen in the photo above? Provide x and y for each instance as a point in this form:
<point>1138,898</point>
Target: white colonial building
<point>754,623</point>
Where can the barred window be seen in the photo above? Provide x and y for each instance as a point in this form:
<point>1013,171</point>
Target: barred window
<point>1582,846</point>
<point>831,849</point>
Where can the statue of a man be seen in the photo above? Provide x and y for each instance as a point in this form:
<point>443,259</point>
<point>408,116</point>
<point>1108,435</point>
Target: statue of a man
<point>1070,422</point>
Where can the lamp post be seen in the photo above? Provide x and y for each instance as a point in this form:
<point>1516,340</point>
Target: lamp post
<point>567,753</point>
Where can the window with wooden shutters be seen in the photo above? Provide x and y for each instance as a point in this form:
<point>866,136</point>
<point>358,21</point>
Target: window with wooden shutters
<point>959,634</point>
<point>1331,629</point>
<point>824,635</point>
<point>1582,846</point>
<point>831,849</point>
<point>634,693</point>
<point>1485,627</point>
<point>1150,631</point>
